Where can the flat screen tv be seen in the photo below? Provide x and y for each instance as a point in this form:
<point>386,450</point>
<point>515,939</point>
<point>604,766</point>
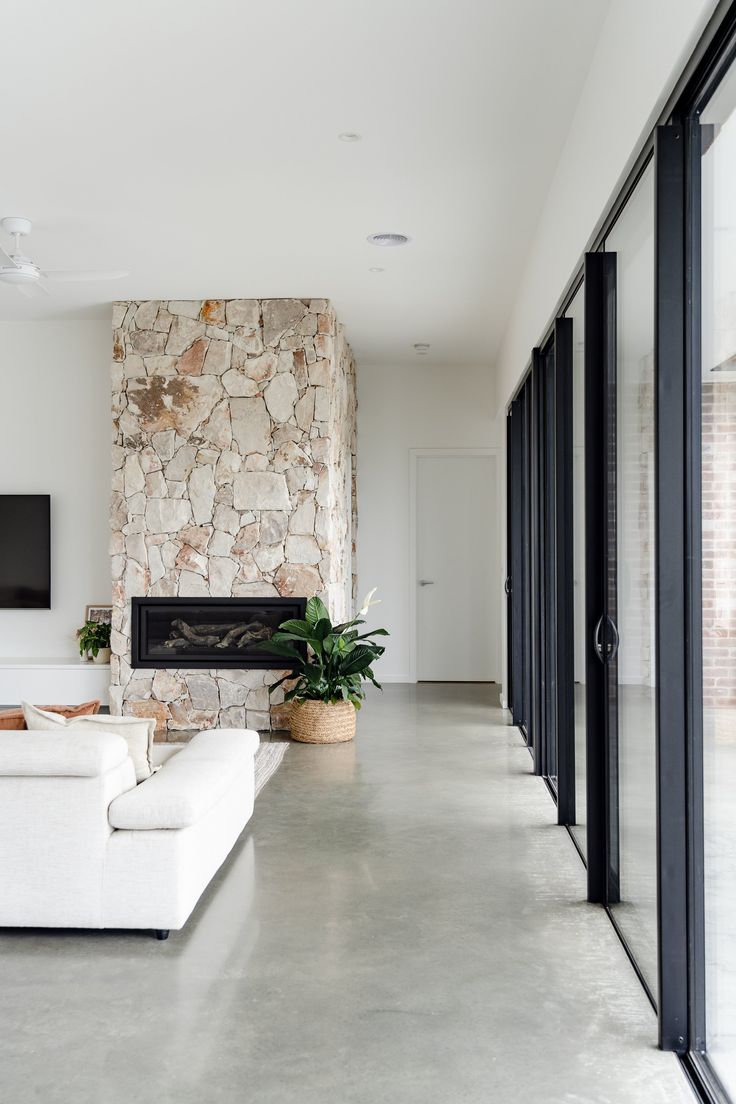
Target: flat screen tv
<point>25,551</point>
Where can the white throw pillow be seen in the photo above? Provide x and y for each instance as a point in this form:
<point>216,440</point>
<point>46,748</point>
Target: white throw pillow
<point>136,731</point>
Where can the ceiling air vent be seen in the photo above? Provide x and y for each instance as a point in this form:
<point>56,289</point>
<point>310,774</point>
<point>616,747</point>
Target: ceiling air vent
<point>387,239</point>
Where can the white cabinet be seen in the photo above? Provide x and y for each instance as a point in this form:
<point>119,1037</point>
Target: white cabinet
<point>53,681</point>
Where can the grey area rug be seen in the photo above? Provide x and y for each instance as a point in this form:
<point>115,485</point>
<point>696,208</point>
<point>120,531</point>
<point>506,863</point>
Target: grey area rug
<point>269,758</point>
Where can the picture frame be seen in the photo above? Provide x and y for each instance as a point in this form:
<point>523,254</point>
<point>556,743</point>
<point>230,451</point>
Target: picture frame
<point>98,611</point>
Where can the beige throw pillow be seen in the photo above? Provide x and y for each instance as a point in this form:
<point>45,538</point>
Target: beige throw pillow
<point>136,731</point>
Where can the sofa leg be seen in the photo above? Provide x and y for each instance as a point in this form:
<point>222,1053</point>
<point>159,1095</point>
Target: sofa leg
<point>162,933</point>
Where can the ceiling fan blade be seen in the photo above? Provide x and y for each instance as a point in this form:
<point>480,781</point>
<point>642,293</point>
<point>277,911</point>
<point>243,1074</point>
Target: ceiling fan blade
<point>32,291</point>
<point>81,277</point>
<point>6,259</point>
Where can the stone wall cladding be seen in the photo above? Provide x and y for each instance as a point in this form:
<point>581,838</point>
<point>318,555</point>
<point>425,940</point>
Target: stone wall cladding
<point>234,437</point>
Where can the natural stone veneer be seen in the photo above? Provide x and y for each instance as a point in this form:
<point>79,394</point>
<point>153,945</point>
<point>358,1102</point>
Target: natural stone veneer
<point>234,474</point>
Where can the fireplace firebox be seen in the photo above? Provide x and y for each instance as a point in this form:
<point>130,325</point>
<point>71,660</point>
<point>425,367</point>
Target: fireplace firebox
<point>208,632</point>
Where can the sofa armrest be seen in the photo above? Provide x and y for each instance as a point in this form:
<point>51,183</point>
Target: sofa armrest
<point>51,754</point>
<point>189,784</point>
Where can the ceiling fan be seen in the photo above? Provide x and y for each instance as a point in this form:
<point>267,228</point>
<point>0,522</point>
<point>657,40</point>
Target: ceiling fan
<point>26,276</point>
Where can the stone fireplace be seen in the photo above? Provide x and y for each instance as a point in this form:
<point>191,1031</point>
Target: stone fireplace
<point>234,478</point>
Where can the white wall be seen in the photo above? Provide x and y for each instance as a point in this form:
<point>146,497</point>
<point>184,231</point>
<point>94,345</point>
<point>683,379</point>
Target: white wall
<point>55,439</point>
<point>400,408</point>
<point>644,45</point>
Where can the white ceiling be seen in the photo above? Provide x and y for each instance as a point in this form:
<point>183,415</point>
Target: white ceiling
<point>195,145</point>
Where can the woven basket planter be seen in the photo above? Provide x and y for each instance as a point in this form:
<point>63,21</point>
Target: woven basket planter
<point>315,722</point>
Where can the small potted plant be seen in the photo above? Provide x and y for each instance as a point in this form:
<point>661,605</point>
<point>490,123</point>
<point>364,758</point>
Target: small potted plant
<point>94,641</point>
<point>330,669</point>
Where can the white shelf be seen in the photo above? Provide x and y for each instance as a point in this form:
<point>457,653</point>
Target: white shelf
<point>61,663</point>
<point>63,679</point>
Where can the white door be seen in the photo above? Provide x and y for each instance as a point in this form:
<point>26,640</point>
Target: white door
<point>457,606</point>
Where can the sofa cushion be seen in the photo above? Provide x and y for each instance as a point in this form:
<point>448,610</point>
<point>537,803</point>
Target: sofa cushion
<point>137,732</point>
<point>13,719</point>
<point>189,784</point>
<point>51,754</point>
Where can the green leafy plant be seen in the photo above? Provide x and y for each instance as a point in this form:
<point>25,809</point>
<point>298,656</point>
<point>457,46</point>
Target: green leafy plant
<point>92,636</point>
<point>334,661</point>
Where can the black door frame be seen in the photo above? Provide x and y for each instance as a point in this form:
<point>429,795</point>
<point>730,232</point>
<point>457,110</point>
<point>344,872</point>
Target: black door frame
<point>548,558</point>
<point>600,369</point>
<point>671,590</point>
<point>528,638</point>
<point>680,145</point>
<point>540,584</point>
<point>512,526</point>
<point>536,586</point>
<point>564,573</point>
<point>515,586</point>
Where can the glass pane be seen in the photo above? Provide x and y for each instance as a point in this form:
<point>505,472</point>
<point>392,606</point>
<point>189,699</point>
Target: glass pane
<point>719,571</point>
<point>549,565</point>
<point>633,595</point>
<point>576,311</point>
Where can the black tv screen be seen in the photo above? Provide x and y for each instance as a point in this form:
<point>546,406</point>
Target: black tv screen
<point>25,551</point>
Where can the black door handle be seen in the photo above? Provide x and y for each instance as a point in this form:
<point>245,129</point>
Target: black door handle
<point>605,650</point>
<point>597,641</point>
<point>507,586</point>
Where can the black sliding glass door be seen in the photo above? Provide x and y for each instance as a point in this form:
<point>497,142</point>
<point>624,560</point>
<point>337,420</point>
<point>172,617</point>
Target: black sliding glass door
<point>540,554</point>
<point>525,408</point>
<point>548,554</point>
<point>631,586</point>
<point>516,564</point>
<point>578,637</point>
<point>711,131</point>
<point>623,557</point>
<point>620,617</point>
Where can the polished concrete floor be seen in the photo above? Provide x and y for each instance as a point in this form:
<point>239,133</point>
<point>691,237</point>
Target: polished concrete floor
<point>400,923</point>
<point>719,771</point>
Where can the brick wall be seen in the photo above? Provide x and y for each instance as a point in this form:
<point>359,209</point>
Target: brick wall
<point>635,489</point>
<point>719,542</point>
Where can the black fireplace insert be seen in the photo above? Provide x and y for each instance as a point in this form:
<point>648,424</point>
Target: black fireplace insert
<point>208,632</point>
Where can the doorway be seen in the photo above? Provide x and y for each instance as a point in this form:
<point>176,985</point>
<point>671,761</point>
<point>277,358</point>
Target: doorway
<point>455,584</point>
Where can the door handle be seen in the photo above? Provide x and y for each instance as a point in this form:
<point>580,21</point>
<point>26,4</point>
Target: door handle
<point>507,586</point>
<point>426,582</point>
<point>597,641</point>
<point>606,652</point>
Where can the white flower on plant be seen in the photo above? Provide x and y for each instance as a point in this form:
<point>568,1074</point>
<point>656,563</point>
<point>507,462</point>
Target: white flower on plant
<point>368,602</point>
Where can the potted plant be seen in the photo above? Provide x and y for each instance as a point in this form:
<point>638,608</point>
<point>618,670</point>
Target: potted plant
<point>330,664</point>
<point>94,640</point>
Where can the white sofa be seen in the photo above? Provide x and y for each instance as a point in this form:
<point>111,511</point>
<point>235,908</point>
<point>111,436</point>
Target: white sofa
<point>83,846</point>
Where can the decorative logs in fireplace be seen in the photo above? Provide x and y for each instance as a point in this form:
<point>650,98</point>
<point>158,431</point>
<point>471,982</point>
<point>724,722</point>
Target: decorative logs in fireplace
<point>190,637</point>
<point>208,632</point>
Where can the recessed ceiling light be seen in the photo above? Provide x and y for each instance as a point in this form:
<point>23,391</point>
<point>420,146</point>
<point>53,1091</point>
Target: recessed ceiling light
<point>349,136</point>
<point>387,239</point>
<point>421,348</point>
<point>375,269</point>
